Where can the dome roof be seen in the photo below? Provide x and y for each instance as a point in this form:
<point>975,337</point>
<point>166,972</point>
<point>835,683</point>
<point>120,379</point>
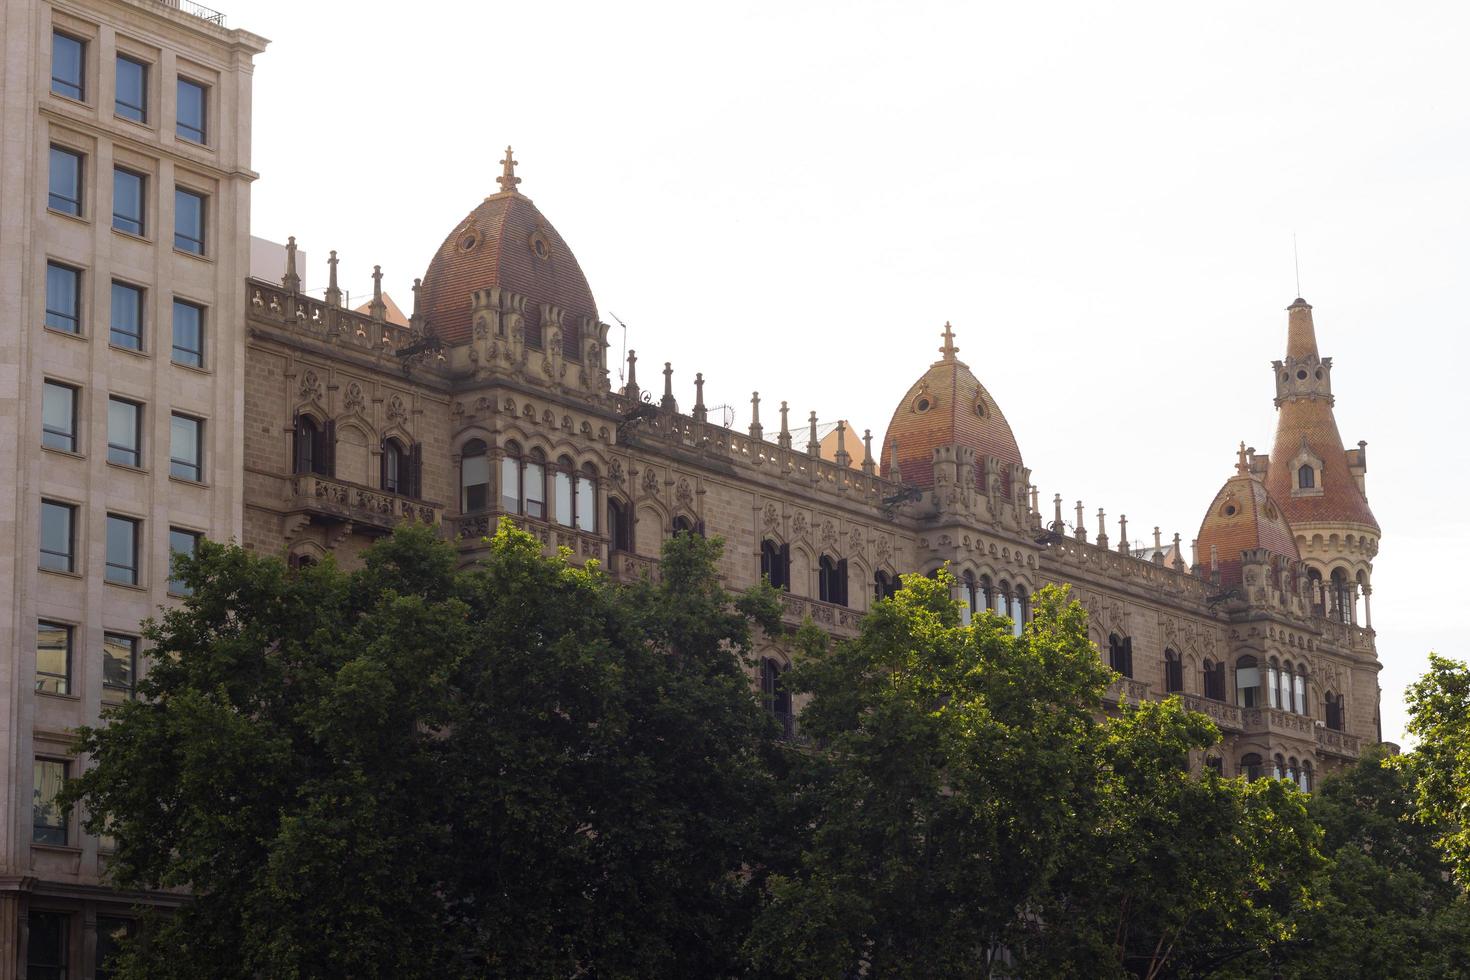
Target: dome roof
<point>947,406</point>
<point>504,242</point>
<point>1243,516</point>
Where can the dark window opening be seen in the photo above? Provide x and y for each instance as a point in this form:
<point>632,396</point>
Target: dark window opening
<point>776,564</point>
<point>1120,654</point>
<point>775,698</point>
<point>1173,672</point>
<point>832,580</point>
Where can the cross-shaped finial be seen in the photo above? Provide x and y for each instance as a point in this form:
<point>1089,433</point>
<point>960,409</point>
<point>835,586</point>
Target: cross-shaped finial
<point>508,179</point>
<point>949,349</point>
<point>1240,466</point>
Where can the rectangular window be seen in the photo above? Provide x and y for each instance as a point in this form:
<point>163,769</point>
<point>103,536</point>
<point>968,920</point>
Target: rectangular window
<point>48,945</point>
<point>122,549</point>
<point>53,657</point>
<point>50,822</point>
<point>59,416</point>
<point>57,536</point>
<point>112,933</point>
<point>188,221</point>
<point>119,666</point>
<point>65,188</point>
<point>124,432</point>
<point>132,89</point>
<point>128,199</point>
<point>193,111</point>
<point>63,298</point>
<point>188,334</point>
<point>127,316</point>
<point>68,66</point>
<point>181,542</point>
<point>185,443</point>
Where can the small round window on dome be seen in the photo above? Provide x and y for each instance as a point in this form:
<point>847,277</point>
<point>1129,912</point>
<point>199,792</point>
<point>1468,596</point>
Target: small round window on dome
<point>468,240</point>
<point>1231,510</point>
<point>923,404</point>
<point>540,247</point>
<point>980,408</point>
<point>1319,374</point>
<point>1270,512</point>
<point>1301,374</point>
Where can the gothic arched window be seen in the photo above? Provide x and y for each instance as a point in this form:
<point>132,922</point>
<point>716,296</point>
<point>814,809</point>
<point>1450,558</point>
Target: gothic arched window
<point>587,499</point>
<point>510,479</point>
<point>776,564</point>
<point>832,580</point>
<point>1306,477</point>
<point>1273,683</point>
<point>1250,767</point>
<point>1023,610</point>
<point>884,585</point>
<point>1120,654</point>
<point>967,597</point>
<point>1214,680</point>
<point>1173,672</point>
<point>474,477</point>
<point>619,525</point>
<point>562,476</point>
<point>312,446</point>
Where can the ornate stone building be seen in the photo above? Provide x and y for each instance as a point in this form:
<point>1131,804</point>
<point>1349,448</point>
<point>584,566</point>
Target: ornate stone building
<point>495,399</point>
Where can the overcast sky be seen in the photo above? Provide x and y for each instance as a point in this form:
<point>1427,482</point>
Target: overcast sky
<point>794,197</point>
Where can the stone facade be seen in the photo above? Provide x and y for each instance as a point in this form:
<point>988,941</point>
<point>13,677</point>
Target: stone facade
<point>70,98</point>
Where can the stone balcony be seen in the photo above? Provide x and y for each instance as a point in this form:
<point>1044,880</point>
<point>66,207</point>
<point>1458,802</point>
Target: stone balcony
<point>839,620</point>
<point>1277,722</point>
<point>1225,716</point>
<point>326,500</point>
<point>470,530</point>
<point>1339,744</point>
<point>1126,689</point>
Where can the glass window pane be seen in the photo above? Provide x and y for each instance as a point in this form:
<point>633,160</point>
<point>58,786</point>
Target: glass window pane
<point>184,448</point>
<point>510,485</point>
<point>127,201</point>
<point>180,542</point>
<point>188,221</point>
<point>56,536</point>
<point>122,550</point>
<point>48,944</point>
<point>132,89</point>
<point>123,427</point>
<point>563,500</point>
<point>53,657</point>
<point>68,58</point>
<point>65,191</point>
<point>191,118</point>
<point>127,316</point>
<point>59,416</point>
<point>50,824</point>
<point>119,666</point>
<point>534,491</point>
<point>586,504</point>
<point>188,334</point>
<point>63,298</point>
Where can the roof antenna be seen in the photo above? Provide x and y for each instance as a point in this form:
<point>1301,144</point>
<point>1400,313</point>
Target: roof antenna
<point>623,357</point>
<point>1297,264</point>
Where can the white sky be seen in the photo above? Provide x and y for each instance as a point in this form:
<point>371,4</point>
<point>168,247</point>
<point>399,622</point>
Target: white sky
<point>794,197</point>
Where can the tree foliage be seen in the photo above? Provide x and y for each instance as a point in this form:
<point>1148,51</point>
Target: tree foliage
<point>1439,718</point>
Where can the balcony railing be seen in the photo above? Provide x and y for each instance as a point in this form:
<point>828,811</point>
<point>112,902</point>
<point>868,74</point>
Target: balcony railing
<point>471,529</point>
<point>838,619</point>
<point>1225,716</point>
<point>1278,721</point>
<point>1338,743</point>
<point>195,10</point>
<point>1126,689</point>
<point>337,500</point>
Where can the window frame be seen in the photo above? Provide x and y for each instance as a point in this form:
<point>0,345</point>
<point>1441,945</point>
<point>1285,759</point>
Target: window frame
<point>179,467</point>
<point>1173,671</point>
<point>128,568</point>
<point>112,638</point>
<point>179,124</point>
<point>182,239</point>
<point>114,449</point>
<point>198,351</point>
<point>130,224</point>
<point>584,498</point>
<point>116,333</point>
<point>58,203</point>
<point>80,85</point>
<point>60,683</point>
<point>75,317</point>
<point>61,829</point>
<point>61,966</point>
<point>177,587</point>
<point>118,105</point>
<point>70,435</point>
<point>70,555</point>
<point>474,454</point>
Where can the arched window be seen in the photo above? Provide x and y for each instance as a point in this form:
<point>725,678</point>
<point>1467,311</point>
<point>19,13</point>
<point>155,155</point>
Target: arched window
<point>313,446</point>
<point>1120,654</point>
<point>1214,680</point>
<point>619,525</point>
<point>1342,596</point>
<point>775,698</point>
<point>832,580</point>
<point>1003,598</point>
<point>587,499</point>
<point>884,585</point>
<point>561,492</point>
<point>1306,477</point>
<point>1023,610</point>
<point>1305,781</point>
<point>533,485</point>
<point>474,478</point>
<point>1336,718</point>
<point>510,479</point>
<point>1273,683</point>
<point>683,525</point>
<point>776,564</point>
<point>1293,770</point>
<point>967,597</point>
<point>400,468</point>
<point>987,593</point>
<point>1316,594</point>
<point>1299,690</point>
<point>1280,767</point>
<point>1173,672</point>
<point>1250,767</point>
<point>1247,682</point>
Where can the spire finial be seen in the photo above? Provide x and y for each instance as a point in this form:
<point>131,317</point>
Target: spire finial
<point>756,431</point>
<point>508,179</point>
<point>291,280</point>
<point>1240,465</point>
<point>667,403</point>
<point>813,447</point>
<point>333,295</point>
<point>377,308</point>
<point>784,439</point>
<point>701,414</point>
<point>949,349</point>
<point>868,465</point>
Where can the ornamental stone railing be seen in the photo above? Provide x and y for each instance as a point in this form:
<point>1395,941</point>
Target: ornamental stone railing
<point>1338,743</point>
<point>1277,721</point>
<point>627,567</point>
<point>470,530</point>
<point>339,500</point>
<point>1126,689</point>
<point>330,324</point>
<point>828,615</point>
<point>1225,716</point>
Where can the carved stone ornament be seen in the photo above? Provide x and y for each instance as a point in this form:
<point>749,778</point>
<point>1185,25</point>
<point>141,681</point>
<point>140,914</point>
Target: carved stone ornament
<point>311,386</point>
<point>650,481</point>
<point>397,414</point>
<point>798,525</point>
<point>684,493</point>
<point>855,541</point>
<point>616,471</point>
<point>884,549</point>
<point>829,534</point>
<point>353,399</point>
<point>771,517</point>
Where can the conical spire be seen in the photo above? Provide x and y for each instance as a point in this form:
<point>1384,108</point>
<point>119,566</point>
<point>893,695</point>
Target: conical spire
<point>1301,336</point>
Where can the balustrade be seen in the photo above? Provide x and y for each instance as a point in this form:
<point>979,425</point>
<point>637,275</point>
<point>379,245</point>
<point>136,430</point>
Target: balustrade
<point>338,500</point>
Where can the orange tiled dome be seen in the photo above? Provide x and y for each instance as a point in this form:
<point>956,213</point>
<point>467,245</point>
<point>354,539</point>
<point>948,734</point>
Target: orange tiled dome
<point>1243,516</point>
<point>504,242</point>
<point>947,406</point>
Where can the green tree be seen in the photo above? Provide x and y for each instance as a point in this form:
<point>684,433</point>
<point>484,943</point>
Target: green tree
<point>411,770</point>
<point>1439,720</point>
